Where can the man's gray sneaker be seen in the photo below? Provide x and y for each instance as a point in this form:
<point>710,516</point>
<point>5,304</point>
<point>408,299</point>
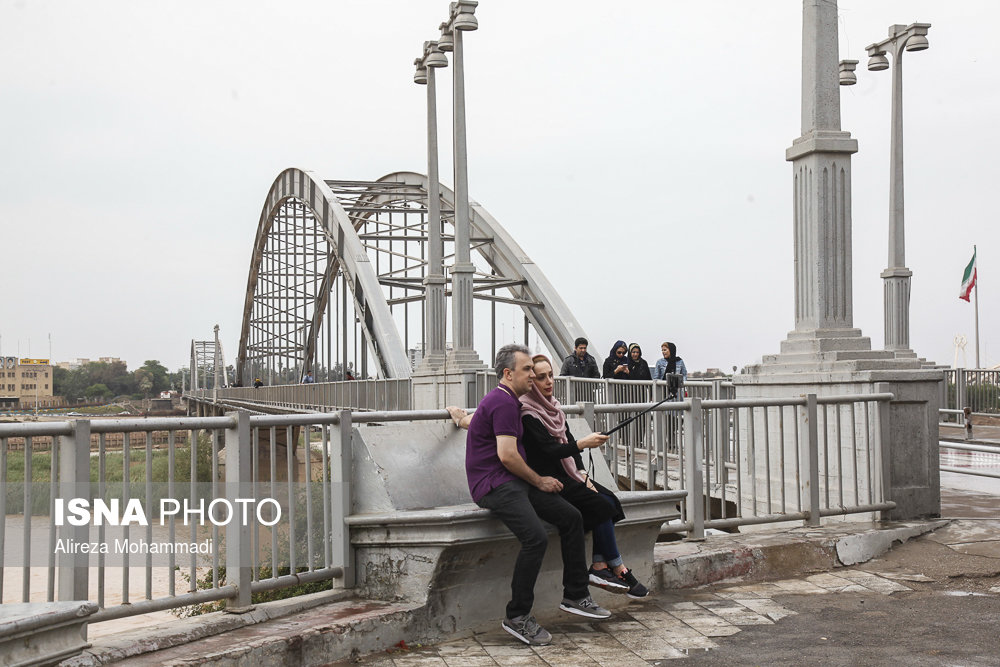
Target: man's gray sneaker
<point>526,629</point>
<point>584,607</point>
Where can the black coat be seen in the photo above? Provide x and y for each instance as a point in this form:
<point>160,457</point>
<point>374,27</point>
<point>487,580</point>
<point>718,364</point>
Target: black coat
<point>544,457</point>
<point>638,370</point>
<point>610,364</point>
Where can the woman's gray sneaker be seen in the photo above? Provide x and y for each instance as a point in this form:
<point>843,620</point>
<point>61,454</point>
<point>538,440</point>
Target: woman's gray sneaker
<point>526,629</point>
<point>584,607</point>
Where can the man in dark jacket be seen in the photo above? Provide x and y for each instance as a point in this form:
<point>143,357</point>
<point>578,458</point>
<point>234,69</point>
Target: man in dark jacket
<point>580,364</point>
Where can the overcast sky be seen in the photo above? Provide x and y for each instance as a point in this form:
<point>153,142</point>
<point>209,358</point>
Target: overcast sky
<point>634,150</point>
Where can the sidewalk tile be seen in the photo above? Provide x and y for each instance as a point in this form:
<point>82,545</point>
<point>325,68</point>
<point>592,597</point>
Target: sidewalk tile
<point>621,659</point>
<point>513,646</point>
<point>647,644</point>
<point>469,661</point>
<point>419,661</point>
<point>737,614</point>
<point>657,620</point>
<point>769,608</point>
<point>520,661</point>
<point>693,642</point>
<point>874,582</point>
<point>618,626</point>
<point>799,586</point>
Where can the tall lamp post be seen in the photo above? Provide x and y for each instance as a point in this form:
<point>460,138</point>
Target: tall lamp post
<point>461,18</point>
<point>434,281</point>
<point>896,276</point>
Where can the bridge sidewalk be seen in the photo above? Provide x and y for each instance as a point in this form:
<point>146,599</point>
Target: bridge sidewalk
<point>745,573</point>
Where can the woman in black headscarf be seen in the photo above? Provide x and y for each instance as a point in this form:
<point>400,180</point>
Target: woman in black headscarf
<point>638,369</point>
<point>616,365</point>
<point>671,368</point>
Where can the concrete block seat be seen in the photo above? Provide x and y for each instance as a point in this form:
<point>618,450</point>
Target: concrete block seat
<point>42,633</point>
<point>418,537</point>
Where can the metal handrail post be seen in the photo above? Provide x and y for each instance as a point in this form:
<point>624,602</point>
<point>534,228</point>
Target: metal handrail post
<point>659,442</point>
<point>809,460</point>
<point>883,451</point>
<point>341,461</point>
<point>695,445</point>
<point>239,484</point>
<point>960,388</point>
<point>74,482</point>
<point>720,435</point>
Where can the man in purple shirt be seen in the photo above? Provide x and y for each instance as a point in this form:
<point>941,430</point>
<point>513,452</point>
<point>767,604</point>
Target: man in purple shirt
<point>501,481</point>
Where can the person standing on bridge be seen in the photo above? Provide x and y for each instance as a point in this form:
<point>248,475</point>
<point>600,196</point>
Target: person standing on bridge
<point>616,365</point>
<point>308,379</point>
<point>580,364</point>
<point>669,368</point>
<point>501,480</point>
<point>638,369</point>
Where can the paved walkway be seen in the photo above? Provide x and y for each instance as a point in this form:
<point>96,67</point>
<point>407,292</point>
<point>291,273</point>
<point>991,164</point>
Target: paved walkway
<point>931,601</point>
<point>647,633</point>
<point>789,601</point>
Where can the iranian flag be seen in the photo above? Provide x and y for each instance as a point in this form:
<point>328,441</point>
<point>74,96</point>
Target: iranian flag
<point>969,278</point>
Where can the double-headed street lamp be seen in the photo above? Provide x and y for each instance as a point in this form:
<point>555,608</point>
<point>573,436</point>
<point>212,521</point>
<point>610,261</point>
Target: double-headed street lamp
<point>434,281</point>
<point>461,18</point>
<point>896,276</point>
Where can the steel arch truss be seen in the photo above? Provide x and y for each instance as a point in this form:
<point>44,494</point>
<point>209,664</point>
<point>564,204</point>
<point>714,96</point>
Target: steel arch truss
<point>341,262</point>
<point>207,358</point>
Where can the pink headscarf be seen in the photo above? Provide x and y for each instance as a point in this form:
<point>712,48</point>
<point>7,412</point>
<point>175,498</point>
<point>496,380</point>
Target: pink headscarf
<point>547,411</point>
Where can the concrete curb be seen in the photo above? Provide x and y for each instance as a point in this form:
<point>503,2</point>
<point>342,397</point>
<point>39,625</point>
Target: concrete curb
<point>325,627</point>
<point>760,556</point>
<point>186,630</point>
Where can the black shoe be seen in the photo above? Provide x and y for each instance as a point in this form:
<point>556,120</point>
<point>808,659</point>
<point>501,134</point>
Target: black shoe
<point>526,629</point>
<point>636,590</point>
<point>584,607</point>
<point>607,580</point>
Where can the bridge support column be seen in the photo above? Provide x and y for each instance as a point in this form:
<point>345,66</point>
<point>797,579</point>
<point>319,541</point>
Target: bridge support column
<point>825,354</point>
<point>433,391</point>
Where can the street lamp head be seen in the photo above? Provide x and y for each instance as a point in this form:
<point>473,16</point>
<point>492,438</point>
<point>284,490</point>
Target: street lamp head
<point>420,76</point>
<point>433,56</point>
<point>878,62</point>
<point>847,75</point>
<point>916,43</point>
<point>466,22</point>
<point>463,15</point>
<point>447,41</point>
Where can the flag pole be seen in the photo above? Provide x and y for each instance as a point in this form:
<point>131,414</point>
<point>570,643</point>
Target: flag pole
<point>976,288</point>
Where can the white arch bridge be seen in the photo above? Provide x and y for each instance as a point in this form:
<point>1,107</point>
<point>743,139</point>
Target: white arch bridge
<point>336,284</point>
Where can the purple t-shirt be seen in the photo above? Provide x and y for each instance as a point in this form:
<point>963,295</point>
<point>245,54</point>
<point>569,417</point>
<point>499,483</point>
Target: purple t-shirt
<point>499,413</point>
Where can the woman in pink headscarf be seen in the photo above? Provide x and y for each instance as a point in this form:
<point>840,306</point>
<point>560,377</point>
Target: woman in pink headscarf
<point>552,451</point>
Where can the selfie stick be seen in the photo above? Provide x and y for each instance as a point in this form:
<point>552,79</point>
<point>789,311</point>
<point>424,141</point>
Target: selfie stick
<point>623,424</point>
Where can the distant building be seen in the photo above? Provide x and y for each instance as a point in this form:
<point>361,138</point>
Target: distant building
<point>707,374</point>
<point>76,363</point>
<point>416,353</point>
<point>26,383</point>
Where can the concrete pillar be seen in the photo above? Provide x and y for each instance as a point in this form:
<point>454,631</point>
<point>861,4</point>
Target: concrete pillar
<point>825,354</point>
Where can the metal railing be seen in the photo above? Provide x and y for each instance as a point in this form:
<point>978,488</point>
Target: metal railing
<point>757,460</point>
<point>372,394</point>
<point>741,462</point>
<point>966,459</point>
<point>229,459</point>
<point>975,388</point>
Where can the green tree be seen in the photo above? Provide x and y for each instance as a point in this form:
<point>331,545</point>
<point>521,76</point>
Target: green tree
<point>98,390</point>
<point>158,375</point>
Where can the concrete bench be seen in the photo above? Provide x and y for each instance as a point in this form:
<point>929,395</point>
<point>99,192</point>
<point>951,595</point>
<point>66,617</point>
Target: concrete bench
<point>42,633</point>
<point>418,537</point>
